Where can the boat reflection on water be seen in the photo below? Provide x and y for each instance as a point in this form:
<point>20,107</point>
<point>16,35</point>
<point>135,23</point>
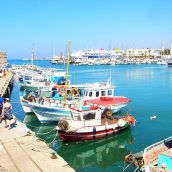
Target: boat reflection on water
<point>30,118</point>
<point>103,154</point>
<point>44,131</point>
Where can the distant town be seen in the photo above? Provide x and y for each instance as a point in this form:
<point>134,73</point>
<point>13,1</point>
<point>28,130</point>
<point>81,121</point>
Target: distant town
<point>116,56</point>
<point>107,57</point>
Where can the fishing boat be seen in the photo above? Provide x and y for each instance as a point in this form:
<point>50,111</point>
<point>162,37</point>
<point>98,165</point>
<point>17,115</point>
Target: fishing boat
<point>40,86</point>
<point>35,80</point>
<point>55,106</point>
<point>93,120</point>
<point>156,157</point>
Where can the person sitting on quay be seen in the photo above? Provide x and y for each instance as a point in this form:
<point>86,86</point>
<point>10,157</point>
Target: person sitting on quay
<point>6,113</point>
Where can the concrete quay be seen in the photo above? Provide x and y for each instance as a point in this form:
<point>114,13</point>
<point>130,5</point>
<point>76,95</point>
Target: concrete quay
<point>22,151</point>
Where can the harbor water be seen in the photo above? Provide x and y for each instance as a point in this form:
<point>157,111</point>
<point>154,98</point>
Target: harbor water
<point>150,89</point>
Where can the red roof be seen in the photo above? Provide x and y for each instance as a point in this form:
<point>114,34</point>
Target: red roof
<point>109,101</point>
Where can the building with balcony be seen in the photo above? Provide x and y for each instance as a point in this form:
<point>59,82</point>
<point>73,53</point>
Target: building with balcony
<point>143,53</point>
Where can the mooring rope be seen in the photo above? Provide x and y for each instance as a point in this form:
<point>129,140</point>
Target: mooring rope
<point>46,132</point>
<point>52,140</point>
<point>126,167</point>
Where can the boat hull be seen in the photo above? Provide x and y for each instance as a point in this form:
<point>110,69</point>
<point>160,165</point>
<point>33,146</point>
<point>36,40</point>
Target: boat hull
<point>75,136</point>
<point>50,114</point>
<point>26,107</point>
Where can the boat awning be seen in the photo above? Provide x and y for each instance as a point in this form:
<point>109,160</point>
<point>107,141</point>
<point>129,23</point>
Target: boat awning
<point>109,101</point>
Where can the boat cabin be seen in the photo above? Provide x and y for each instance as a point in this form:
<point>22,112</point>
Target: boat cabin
<point>97,91</point>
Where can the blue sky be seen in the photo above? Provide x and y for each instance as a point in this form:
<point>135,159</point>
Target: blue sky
<point>44,24</point>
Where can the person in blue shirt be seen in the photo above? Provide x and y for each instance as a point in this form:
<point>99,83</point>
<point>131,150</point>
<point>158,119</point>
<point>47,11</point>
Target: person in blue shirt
<point>1,106</point>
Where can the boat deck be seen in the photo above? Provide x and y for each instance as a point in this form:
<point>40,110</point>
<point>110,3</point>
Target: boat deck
<point>154,161</point>
<point>158,169</point>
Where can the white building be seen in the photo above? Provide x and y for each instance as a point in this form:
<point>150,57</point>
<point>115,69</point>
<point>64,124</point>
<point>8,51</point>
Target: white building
<point>145,52</point>
<point>78,56</point>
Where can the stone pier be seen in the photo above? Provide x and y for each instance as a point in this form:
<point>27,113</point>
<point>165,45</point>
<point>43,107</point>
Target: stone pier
<point>22,151</point>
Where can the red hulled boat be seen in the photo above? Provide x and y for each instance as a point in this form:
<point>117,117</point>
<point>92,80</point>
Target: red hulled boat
<point>93,120</point>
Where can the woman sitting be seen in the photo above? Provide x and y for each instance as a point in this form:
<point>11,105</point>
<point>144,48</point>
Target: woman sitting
<point>6,112</point>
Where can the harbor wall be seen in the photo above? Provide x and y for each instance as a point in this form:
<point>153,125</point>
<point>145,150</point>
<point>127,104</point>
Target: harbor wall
<point>3,57</point>
<point>6,84</point>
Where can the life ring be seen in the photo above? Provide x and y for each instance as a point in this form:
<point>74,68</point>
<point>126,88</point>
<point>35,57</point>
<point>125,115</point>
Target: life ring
<point>109,113</point>
<point>31,99</point>
<point>139,163</point>
<point>129,158</point>
<point>63,125</point>
<point>75,91</point>
<point>61,88</point>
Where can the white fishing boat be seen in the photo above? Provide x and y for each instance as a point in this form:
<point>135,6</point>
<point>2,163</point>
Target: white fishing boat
<point>92,120</point>
<point>52,109</point>
<point>34,96</point>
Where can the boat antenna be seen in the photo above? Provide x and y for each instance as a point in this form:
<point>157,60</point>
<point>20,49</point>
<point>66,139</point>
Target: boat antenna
<point>110,77</point>
<point>52,52</point>
<point>67,72</point>
<point>33,56</point>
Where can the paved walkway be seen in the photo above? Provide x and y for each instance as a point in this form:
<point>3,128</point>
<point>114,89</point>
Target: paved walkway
<point>24,152</point>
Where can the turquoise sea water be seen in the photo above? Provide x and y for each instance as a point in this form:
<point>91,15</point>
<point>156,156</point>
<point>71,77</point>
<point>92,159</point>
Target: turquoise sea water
<point>149,87</point>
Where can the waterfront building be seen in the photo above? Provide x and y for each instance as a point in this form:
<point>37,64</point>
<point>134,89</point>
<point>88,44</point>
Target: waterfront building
<point>90,57</point>
<point>78,56</point>
<point>116,52</point>
<point>143,53</point>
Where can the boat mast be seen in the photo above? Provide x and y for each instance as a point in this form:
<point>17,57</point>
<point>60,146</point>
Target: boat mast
<point>67,73</point>
<point>33,56</point>
<point>110,79</point>
<point>52,53</point>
